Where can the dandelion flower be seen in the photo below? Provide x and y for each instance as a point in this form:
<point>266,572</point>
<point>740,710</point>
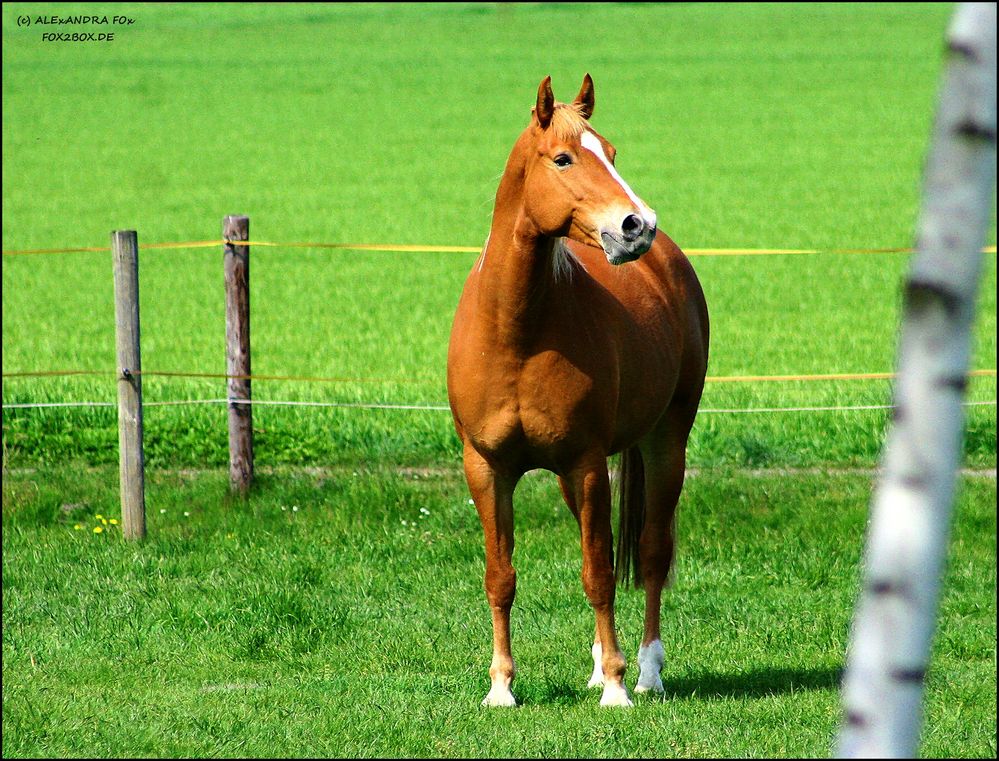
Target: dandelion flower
<point>104,521</point>
<point>114,521</point>
<point>78,527</point>
<point>99,517</point>
<point>98,529</point>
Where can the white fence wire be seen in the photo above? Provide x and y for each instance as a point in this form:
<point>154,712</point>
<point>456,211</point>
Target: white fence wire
<point>445,408</point>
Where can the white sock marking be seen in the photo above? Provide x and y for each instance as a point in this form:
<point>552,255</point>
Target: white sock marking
<point>650,662</point>
<point>616,694</point>
<point>499,696</point>
<point>597,679</point>
<point>499,690</point>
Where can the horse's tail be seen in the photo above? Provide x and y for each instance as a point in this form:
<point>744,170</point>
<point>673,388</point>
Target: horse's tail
<point>631,519</point>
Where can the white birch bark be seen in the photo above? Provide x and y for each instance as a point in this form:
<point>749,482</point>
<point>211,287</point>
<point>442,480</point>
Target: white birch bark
<point>889,650</point>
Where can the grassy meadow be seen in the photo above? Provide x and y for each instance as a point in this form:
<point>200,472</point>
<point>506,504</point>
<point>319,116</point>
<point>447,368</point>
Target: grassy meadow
<point>341,614</point>
<point>356,624</point>
<point>776,127</point>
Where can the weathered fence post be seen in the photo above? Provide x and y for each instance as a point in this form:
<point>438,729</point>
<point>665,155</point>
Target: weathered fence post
<point>236,260</point>
<point>125,248</point>
<point>889,649</point>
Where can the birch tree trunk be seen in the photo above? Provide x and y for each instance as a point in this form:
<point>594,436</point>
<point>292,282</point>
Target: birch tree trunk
<point>895,618</point>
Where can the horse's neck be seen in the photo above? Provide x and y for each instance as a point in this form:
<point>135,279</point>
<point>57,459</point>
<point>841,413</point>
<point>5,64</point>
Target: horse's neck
<point>517,279</point>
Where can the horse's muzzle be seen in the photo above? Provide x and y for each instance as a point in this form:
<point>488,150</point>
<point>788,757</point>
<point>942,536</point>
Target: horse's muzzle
<point>629,244</point>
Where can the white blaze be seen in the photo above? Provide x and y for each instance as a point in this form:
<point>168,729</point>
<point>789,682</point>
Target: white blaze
<point>592,143</point>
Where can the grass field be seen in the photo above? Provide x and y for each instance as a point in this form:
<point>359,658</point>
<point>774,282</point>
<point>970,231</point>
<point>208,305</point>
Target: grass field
<point>780,126</point>
<point>248,629</point>
<point>356,624</point>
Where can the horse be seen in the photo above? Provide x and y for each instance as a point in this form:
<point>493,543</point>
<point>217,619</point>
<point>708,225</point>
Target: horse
<point>581,332</point>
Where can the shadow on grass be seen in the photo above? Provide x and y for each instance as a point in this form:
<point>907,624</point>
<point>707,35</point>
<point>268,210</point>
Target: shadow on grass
<point>752,684</point>
<point>552,693</point>
<point>699,686</point>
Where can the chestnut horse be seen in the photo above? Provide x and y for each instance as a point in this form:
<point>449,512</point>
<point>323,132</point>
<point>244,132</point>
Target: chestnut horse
<point>567,348</point>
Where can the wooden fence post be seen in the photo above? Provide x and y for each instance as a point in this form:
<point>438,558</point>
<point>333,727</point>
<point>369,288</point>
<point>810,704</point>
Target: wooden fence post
<point>236,260</point>
<point>125,248</point>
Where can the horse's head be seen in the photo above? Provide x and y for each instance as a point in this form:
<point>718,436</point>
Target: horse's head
<point>571,187</point>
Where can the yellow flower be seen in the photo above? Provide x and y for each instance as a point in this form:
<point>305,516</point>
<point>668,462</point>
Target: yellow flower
<point>114,521</point>
<point>98,517</point>
<point>98,529</point>
<point>78,527</point>
<point>104,521</point>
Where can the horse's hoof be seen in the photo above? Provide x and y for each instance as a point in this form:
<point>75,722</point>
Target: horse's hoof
<point>615,695</point>
<point>499,697</point>
<point>655,687</point>
<point>597,680</point>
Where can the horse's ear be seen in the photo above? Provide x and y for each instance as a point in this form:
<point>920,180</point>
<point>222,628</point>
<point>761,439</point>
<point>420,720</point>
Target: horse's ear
<point>585,97</point>
<point>546,103</point>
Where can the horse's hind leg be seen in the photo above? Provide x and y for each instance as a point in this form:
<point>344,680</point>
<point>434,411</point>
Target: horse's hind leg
<point>665,463</point>
<point>493,496</point>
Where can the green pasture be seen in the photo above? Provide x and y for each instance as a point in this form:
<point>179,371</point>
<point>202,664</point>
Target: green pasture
<point>775,126</point>
<point>341,614</point>
<point>356,625</point>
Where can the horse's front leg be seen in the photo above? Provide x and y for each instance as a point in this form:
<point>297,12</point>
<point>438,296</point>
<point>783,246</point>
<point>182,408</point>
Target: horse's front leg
<point>493,496</point>
<point>587,489</point>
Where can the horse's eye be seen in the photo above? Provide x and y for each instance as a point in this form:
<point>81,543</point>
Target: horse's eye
<point>563,160</point>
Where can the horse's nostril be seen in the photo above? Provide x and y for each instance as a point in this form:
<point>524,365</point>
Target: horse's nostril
<point>632,227</point>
